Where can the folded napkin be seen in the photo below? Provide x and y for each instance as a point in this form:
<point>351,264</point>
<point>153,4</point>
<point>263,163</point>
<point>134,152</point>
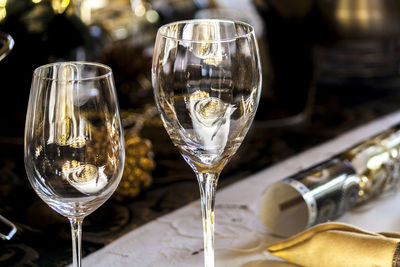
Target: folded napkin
<point>339,245</point>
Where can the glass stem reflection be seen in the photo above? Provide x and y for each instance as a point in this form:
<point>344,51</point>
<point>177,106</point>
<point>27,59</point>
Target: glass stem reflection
<point>76,230</point>
<point>208,186</point>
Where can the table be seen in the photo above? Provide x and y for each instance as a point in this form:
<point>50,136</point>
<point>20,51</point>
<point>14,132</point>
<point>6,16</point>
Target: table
<point>43,237</point>
<point>241,239</point>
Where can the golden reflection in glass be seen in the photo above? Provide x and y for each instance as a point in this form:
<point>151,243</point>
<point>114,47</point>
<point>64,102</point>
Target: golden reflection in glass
<point>104,153</point>
<point>101,159</point>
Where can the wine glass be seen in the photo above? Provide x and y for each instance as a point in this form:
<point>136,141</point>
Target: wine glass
<point>206,77</point>
<point>74,146</point>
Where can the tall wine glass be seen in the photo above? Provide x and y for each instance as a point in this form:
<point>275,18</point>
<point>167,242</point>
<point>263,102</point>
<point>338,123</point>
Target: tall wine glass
<point>207,79</point>
<point>74,146</point>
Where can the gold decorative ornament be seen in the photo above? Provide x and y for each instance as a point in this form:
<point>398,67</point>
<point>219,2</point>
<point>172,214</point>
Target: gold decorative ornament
<point>139,162</point>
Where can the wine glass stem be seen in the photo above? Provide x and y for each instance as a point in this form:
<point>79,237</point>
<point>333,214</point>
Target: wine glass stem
<point>208,186</point>
<point>76,230</point>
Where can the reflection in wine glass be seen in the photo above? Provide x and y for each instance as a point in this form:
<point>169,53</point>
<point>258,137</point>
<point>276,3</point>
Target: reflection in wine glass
<point>207,81</point>
<point>74,148</point>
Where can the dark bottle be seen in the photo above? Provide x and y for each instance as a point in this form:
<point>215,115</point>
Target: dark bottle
<point>42,35</point>
<point>289,66</point>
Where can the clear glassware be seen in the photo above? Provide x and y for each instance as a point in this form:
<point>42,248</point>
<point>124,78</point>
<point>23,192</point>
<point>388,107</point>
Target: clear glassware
<point>74,145</point>
<point>206,77</point>
<point>6,44</point>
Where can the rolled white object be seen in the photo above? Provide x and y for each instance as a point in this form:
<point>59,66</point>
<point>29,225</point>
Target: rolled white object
<point>86,178</point>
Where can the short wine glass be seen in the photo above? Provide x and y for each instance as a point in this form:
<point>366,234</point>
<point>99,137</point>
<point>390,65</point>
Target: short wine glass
<point>206,77</point>
<point>74,146</point>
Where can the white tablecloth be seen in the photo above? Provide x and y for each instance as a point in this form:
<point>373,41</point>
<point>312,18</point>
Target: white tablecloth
<point>240,238</point>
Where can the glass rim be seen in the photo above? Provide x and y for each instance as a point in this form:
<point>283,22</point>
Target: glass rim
<point>192,21</point>
<point>84,63</point>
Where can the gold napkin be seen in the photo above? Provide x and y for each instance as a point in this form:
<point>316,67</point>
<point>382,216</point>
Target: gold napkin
<point>339,245</point>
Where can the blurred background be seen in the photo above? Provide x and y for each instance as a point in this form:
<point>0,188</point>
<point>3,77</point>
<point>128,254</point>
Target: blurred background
<point>328,66</point>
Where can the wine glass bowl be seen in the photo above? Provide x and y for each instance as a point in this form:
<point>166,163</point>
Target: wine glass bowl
<point>74,147</point>
<point>206,76</point>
